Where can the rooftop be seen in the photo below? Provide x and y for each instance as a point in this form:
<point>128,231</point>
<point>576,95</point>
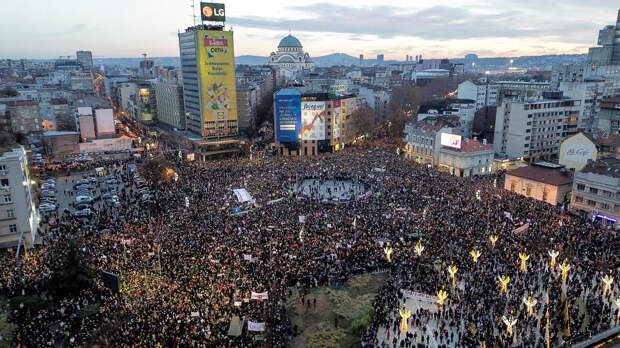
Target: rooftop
<point>546,175</point>
<point>470,146</point>
<point>607,166</point>
<point>289,41</point>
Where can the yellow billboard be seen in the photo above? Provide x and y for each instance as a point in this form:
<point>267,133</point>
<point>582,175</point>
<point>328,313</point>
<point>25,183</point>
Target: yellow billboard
<point>216,58</point>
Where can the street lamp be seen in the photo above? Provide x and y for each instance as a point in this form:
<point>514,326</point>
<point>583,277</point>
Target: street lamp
<point>388,253</point>
<point>608,280</point>
<point>510,322</point>
<point>442,296</point>
<point>524,257</point>
<point>419,248</point>
<point>493,239</point>
<point>452,271</point>
<point>404,315</point>
<point>530,303</point>
<point>475,254</point>
<point>503,280</point>
<point>565,268</point>
<point>553,255</point>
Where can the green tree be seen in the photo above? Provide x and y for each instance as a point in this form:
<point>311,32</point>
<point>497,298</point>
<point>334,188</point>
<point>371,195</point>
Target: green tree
<point>154,169</point>
<point>73,276</point>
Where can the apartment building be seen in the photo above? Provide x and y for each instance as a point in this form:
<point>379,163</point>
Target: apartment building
<point>596,191</point>
<point>18,213</point>
<point>533,129</point>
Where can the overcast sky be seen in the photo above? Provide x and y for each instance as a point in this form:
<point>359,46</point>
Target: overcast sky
<point>436,29</point>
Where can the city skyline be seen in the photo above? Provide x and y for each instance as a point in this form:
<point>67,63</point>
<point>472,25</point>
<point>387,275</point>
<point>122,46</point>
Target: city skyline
<point>485,27</point>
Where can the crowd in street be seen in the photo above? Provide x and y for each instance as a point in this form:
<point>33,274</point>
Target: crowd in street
<point>187,265</point>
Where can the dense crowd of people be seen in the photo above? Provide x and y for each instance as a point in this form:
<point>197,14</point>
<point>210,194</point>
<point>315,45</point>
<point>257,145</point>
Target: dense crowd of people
<point>187,265</point>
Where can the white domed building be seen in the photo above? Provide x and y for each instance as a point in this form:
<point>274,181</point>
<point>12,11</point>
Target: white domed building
<point>290,58</point>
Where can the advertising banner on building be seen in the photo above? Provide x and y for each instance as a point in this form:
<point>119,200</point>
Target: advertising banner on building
<point>288,115</point>
<point>217,72</point>
<point>451,140</point>
<point>210,11</point>
<point>313,120</point>
<point>337,114</point>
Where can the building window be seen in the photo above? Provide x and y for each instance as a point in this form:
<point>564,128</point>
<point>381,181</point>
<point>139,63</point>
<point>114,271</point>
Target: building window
<point>512,186</point>
<point>13,228</point>
<point>10,213</point>
<point>593,190</point>
<point>2,168</point>
<point>545,193</point>
<point>591,203</point>
<point>528,191</point>
<point>605,206</point>
<point>4,182</point>
<point>581,187</point>
<point>578,199</point>
<point>8,199</point>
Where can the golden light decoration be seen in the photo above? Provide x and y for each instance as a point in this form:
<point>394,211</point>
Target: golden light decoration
<point>452,271</point>
<point>419,248</point>
<point>388,253</point>
<point>530,303</point>
<point>503,280</point>
<point>617,302</point>
<point>510,322</point>
<point>524,257</point>
<point>564,267</point>
<point>553,255</point>
<point>404,315</point>
<point>493,239</point>
<point>442,296</point>
<point>475,254</point>
<point>608,280</point>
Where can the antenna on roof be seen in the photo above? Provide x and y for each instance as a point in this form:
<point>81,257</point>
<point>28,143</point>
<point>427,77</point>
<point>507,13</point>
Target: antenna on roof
<point>193,6</point>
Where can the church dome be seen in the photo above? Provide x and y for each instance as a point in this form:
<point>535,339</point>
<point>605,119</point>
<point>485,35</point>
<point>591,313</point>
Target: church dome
<point>286,59</point>
<point>289,41</point>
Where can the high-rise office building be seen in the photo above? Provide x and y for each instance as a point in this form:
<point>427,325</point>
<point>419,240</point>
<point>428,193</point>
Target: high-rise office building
<point>86,59</point>
<point>608,52</point>
<point>380,58</point>
<point>209,94</point>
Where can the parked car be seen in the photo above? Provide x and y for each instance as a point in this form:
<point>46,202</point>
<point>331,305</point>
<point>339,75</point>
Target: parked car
<point>47,207</point>
<point>83,199</point>
<point>48,186</point>
<point>116,201</point>
<point>82,206</point>
<point>48,193</point>
<point>83,212</point>
<point>106,196</point>
<point>81,181</point>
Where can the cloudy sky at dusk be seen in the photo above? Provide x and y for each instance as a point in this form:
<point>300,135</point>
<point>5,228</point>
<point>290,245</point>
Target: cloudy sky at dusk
<point>115,28</point>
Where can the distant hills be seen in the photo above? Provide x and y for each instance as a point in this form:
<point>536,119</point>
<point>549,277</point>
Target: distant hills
<point>531,62</point>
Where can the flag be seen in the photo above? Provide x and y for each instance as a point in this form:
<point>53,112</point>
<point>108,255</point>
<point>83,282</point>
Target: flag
<point>195,314</point>
<point>247,257</point>
<point>252,326</point>
<point>302,219</point>
<point>236,210</point>
<point>259,296</point>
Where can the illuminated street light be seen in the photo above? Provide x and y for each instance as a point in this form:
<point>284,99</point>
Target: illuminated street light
<point>503,280</point>
<point>553,255</point>
<point>452,271</point>
<point>565,268</point>
<point>493,239</point>
<point>608,280</point>
<point>509,324</point>
<point>419,248</point>
<point>475,254</point>
<point>442,296</point>
<point>524,257</point>
<point>388,253</point>
<point>404,315</point>
<point>530,303</point>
